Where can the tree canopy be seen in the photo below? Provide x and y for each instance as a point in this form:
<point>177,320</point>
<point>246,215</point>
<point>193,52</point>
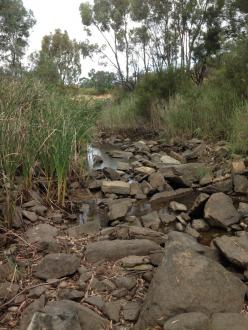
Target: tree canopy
<point>59,58</point>
<point>15,24</point>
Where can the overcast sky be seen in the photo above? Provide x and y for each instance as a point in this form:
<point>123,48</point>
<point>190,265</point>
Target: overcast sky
<point>53,14</point>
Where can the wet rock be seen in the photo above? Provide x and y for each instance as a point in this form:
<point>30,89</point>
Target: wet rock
<point>224,321</point>
<point>43,235</point>
<point>190,282</point>
<point>57,265</point>
<point>116,187</point>
<point>151,220</point>
<point>89,228</point>
<point>168,160</point>
<point>200,225</point>
<point>67,321</point>
<point>188,321</point>
<point>131,311</point>
<point>220,212</point>
<point>240,184</point>
<point>112,310</point>
<point>167,196</point>
<point>97,160</point>
<point>178,207</point>
<point>119,208</point>
<point>114,250</point>
<point>235,248</point>
<point>87,318</point>
<point>144,170</point>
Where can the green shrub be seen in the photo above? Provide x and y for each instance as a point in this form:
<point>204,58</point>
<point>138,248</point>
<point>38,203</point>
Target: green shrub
<point>158,86</point>
<point>205,111</point>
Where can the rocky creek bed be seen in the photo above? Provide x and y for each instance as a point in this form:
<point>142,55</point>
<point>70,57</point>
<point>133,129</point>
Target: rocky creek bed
<point>154,237</point>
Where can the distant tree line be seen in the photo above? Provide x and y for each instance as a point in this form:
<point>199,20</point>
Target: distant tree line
<point>137,37</point>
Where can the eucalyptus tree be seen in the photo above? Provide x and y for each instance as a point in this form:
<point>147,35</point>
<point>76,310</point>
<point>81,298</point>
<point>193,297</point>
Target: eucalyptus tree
<point>15,24</point>
<point>59,58</point>
<point>111,18</point>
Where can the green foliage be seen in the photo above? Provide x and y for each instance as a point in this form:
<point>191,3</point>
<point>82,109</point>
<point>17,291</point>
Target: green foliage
<point>204,111</point>
<point>41,131</point>
<point>59,59</point>
<point>235,68</point>
<point>15,24</point>
<point>122,115</point>
<point>158,86</point>
<point>101,81</point>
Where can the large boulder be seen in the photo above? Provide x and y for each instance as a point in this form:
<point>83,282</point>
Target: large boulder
<point>232,321</point>
<point>234,248</point>
<point>189,281</point>
<point>220,211</point>
<point>188,321</point>
<point>88,319</point>
<point>114,250</point>
<point>57,265</point>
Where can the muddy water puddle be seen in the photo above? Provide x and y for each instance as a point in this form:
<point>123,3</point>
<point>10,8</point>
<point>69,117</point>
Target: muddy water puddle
<point>103,151</point>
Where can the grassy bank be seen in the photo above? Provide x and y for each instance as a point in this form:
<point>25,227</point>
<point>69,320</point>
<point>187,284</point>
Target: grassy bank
<point>171,103</point>
<point>42,133</point>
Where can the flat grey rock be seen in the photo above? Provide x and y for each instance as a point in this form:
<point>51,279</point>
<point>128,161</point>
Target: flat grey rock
<point>57,265</point>
<point>117,249</point>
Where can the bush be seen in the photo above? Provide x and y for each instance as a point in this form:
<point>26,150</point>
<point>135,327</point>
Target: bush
<point>205,111</point>
<point>40,131</point>
<point>158,86</point>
